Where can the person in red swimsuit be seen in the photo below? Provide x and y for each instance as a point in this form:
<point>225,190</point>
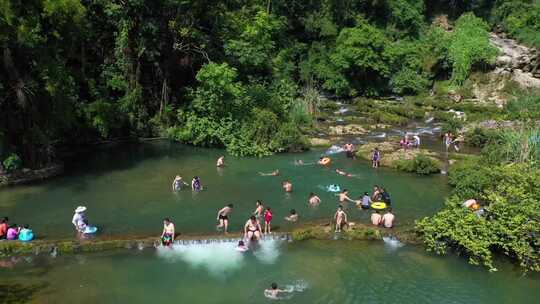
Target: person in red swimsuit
<point>267,220</point>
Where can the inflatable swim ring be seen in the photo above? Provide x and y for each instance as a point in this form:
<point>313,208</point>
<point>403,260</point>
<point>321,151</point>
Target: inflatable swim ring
<point>333,188</point>
<point>26,236</point>
<point>325,161</point>
<point>378,205</point>
<point>90,229</point>
<point>242,249</point>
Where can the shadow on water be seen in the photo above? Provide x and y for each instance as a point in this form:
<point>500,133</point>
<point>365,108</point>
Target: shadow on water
<point>19,293</point>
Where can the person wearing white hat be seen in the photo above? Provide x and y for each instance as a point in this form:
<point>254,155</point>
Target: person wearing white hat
<point>79,218</point>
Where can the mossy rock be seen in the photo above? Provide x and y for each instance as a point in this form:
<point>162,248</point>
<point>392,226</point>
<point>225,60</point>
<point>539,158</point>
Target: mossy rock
<point>309,233</point>
<point>319,142</point>
<point>364,233</point>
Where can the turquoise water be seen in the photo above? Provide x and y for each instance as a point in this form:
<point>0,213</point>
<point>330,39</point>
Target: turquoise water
<point>127,190</point>
<point>318,271</point>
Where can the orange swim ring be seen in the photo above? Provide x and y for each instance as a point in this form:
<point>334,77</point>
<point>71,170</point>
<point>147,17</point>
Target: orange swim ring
<point>325,161</point>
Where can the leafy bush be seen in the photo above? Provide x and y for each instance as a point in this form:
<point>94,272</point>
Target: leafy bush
<point>12,162</point>
<point>480,137</point>
<point>469,46</point>
<point>510,226</point>
<point>420,164</point>
<point>524,107</point>
<point>452,125</point>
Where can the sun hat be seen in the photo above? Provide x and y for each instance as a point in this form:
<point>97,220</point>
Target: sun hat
<point>80,209</point>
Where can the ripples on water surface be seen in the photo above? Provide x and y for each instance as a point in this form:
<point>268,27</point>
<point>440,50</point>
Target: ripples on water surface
<point>316,272</point>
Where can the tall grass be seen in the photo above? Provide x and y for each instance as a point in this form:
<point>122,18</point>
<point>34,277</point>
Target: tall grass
<point>520,146</point>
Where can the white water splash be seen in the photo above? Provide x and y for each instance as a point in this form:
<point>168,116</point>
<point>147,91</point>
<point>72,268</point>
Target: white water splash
<point>219,259</point>
<point>392,242</point>
<point>334,149</point>
<point>268,251</point>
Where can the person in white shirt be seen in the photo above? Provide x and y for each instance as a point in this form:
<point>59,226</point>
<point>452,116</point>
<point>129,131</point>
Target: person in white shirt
<point>79,218</point>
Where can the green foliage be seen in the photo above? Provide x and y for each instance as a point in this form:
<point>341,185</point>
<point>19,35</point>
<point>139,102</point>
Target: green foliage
<point>452,125</point>
<point>510,225</point>
<point>255,43</point>
<point>520,19</point>
<point>420,164</point>
<point>480,137</point>
<point>524,108</point>
<point>80,71</point>
<point>359,56</point>
<point>218,91</point>
<point>469,46</point>
<point>516,146</point>
<point>12,162</point>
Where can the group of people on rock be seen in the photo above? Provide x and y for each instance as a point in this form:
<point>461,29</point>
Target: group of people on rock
<point>405,143</point>
<point>13,232</point>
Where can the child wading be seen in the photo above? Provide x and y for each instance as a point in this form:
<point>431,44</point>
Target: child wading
<point>267,220</point>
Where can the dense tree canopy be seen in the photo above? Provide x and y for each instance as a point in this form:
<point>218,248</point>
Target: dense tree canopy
<point>76,71</point>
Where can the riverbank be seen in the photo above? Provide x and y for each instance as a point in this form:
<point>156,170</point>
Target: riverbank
<point>27,176</point>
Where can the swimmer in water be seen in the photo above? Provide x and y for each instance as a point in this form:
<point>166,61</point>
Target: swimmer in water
<point>252,229</point>
<point>223,217</point>
<point>273,292</point>
<point>340,218</point>
<point>177,183</point>
<point>344,196</point>
<point>259,209</point>
<point>273,173</point>
<point>287,186</point>
<point>221,161</point>
<point>340,172</point>
<point>314,200</point>
<point>293,216</point>
<point>196,184</point>
<point>242,247</point>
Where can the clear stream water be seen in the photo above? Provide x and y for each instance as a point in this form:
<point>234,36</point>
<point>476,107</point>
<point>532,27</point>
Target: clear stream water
<point>315,271</point>
<point>127,190</point>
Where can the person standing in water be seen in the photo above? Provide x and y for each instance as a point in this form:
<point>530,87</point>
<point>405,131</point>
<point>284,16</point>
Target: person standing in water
<point>365,202</point>
<point>223,217</point>
<point>376,218</point>
<point>221,161</point>
<point>252,229</point>
<point>344,196</point>
<point>167,236</point>
<point>385,197</point>
<point>287,186</point>
<point>388,219</point>
<point>196,184</point>
<point>314,200</point>
<point>79,218</point>
<point>268,220</point>
<point>259,210</point>
<point>375,158</point>
<point>376,195</point>
<point>177,183</point>
<point>340,218</point>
